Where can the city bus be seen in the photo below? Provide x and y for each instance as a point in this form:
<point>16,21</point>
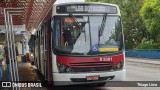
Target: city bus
<point>80,43</point>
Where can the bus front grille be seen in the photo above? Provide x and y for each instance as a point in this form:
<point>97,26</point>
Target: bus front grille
<point>91,64</point>
<point>91,69</point>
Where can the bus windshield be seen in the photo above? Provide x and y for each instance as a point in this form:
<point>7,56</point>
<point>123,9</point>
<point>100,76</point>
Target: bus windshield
<point>87,35</point>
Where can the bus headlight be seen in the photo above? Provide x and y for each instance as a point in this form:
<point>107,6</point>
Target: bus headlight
<point>68,69</point>
<point>63,68</point>
<point>118,66</point>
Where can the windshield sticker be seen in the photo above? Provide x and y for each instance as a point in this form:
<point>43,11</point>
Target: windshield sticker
<point>69,20</point>
<point>95,48</point>
<point>108,49</point>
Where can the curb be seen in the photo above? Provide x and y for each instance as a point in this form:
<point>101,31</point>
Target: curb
<point>135,60</point>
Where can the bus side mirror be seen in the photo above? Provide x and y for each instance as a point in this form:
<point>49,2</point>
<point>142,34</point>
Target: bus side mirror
<point>52,24</point>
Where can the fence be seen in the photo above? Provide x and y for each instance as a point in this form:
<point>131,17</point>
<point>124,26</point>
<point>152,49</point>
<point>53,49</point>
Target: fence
<point>144,53</point>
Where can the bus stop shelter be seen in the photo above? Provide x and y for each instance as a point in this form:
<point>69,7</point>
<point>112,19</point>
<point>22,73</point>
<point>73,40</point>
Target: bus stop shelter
<point>20,16</point>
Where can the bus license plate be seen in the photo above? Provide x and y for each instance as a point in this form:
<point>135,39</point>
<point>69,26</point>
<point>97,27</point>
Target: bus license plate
<point>90,78</point>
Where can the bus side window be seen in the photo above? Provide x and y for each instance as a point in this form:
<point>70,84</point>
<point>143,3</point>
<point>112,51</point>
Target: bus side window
<point>57,32</point>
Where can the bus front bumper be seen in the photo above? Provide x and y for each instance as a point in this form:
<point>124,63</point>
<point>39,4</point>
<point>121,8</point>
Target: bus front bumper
<point>80,78</point>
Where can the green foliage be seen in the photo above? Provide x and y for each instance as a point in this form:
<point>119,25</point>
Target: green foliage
<point>146,44</point>
<point>107,1</point>
<point>150,13</point>
<point>134,29</point>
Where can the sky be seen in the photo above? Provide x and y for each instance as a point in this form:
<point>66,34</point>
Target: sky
<point>63,1</point>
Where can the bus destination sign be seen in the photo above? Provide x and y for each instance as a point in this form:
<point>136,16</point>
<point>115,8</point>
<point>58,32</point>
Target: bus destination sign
<point>86,8</point>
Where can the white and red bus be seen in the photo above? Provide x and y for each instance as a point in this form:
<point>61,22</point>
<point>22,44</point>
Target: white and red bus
<point>81,43</point>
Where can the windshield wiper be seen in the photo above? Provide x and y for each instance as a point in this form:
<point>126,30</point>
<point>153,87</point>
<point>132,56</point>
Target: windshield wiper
<point>76,21</point>
<point>101,28</point>
<point>71,15</point>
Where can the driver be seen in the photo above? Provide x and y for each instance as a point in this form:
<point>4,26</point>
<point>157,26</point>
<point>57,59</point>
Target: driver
<point>67,37</point>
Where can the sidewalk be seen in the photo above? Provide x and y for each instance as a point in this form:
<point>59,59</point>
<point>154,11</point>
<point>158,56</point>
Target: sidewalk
<point>26,74</point>
<point>143,60</point>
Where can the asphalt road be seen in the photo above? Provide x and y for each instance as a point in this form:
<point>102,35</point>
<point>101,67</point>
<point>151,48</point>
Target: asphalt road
<point>139,71</point>
<point>142,72</point>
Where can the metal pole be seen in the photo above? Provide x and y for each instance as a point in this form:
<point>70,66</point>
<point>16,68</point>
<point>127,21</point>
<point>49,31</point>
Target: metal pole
<point>15,56</point>
<point>8,43</point>
<point>11,43</point>
<point>11,46</point>
<point>8,46</point>
<point>14,9</point>
<point>15,68</point>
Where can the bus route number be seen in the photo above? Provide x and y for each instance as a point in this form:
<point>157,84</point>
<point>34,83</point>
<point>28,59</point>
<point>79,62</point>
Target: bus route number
<point>105,59</point>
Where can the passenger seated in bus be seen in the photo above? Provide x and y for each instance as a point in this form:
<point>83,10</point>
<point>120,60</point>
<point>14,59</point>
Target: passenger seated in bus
<point>67,38</point>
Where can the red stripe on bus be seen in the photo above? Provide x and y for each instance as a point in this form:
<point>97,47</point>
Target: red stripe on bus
<point>89,61</point>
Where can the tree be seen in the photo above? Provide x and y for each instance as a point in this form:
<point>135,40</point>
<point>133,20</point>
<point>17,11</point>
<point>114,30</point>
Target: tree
<point>146,44</point>
<point>150,12</point>
<point>134,29</point>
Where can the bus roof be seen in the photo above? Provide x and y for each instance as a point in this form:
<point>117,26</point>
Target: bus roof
<point>85,3</point>
<point>67,1</point>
